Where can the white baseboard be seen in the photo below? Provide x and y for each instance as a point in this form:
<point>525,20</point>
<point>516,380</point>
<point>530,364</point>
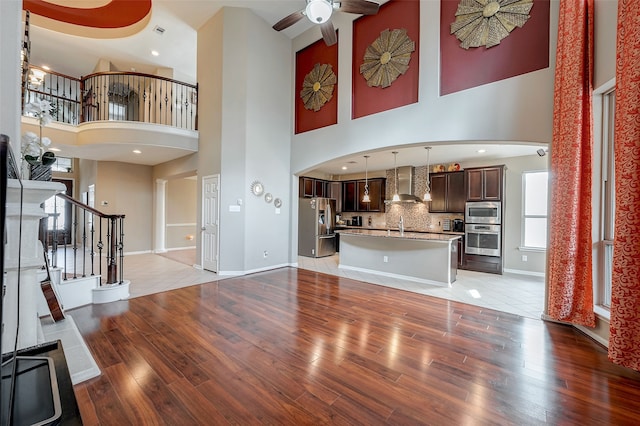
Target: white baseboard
<point>130,253</point>
<point>180,248</point>
<point>253,271</point>
<point>523,272</point>
<point>604,342</point>
<point>266,268</point>
<point>396,276</point>
<point>589,332</point>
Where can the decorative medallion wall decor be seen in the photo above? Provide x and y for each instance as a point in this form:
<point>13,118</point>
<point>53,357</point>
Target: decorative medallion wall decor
<point>487,22</point>
<point>389,94</point>
<point>326,114</point>
<point>317,87</point>
<point>387,57</point>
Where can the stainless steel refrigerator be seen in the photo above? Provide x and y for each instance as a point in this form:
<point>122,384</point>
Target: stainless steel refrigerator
<point>316,227</point>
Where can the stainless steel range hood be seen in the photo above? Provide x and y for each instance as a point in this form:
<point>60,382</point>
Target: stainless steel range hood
<point>405,187</point>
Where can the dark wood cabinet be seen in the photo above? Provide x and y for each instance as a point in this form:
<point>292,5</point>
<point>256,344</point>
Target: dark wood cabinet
<point>484,184</point>
<point>447,192</point>
<point>307,187</point>
<point>353,192</point>
<point>310,187</point>
<point>376,195</point>
<point>321,188</point>
<point>349,193</point>
<point>476,262</point>
<point>438,183</point>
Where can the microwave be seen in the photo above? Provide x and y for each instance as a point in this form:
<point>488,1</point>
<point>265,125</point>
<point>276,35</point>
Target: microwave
<point>483,212</point>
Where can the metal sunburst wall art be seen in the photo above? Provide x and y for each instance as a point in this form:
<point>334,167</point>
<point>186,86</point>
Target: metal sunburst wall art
<point>387,58</point>
<point>487,22</point>
<point>317,87</point>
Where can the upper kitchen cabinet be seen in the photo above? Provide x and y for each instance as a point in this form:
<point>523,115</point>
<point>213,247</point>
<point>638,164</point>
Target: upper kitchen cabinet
<point>447,192</point>
<point>310,187</point>
<point>484,184</point>
<point>376,195</point>
<point>353,191</point>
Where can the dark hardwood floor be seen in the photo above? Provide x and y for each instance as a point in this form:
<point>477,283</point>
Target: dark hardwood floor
<point>292,346</point>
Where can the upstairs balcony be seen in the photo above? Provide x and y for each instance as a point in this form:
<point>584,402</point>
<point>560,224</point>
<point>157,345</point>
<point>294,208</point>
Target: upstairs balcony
<point>106,115</point>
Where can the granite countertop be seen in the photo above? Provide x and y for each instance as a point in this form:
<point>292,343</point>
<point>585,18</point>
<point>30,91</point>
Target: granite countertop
<point>410,235</point>
<point>406,230</point>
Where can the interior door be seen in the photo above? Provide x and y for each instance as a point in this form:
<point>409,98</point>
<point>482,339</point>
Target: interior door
<point>210,222</point>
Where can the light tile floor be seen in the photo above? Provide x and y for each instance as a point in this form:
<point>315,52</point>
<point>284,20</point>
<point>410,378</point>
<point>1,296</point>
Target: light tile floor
<point>149,273</point>
<point>513,293</point>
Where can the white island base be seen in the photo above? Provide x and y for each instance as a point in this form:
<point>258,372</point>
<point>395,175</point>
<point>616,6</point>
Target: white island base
<point>423,258</point>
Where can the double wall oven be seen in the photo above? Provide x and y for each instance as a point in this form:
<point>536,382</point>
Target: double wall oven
<point>483,235</point>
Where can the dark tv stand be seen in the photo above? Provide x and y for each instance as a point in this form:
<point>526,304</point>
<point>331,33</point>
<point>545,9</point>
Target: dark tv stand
<point>70,412</point>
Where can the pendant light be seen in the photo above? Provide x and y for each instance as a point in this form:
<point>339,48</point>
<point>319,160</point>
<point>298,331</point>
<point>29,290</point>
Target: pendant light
<point>427,192</point>
<point>396,197</point>
<point>366,198</point>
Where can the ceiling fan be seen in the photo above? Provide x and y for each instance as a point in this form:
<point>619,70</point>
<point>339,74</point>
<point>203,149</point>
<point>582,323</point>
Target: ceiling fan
<point>319,12</point>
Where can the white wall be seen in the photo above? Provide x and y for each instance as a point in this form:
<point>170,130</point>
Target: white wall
<point>245,134</point>
<point>606,21</point>
<point>10,40</point>
<point>515,109</point>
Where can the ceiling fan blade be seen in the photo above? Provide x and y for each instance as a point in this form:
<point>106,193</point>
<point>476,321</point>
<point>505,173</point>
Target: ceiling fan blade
<point>328,33</point>
<point>363,7</point>
<point>288,21</point>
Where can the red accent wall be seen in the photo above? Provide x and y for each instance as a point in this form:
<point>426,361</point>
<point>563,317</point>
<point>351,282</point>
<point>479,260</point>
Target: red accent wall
<point>306,58</point>
<point>526,49</point>
<point>395,14</point>
<point>115,14</point>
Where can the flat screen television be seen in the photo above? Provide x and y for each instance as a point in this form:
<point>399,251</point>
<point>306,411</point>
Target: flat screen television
<point>36,400</point>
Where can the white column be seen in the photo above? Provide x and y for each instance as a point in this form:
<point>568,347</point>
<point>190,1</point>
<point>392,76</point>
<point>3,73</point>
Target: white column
<point>24,261</point>
<point>160,228</point>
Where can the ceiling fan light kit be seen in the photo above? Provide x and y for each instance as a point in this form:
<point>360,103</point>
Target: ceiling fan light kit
<point>318,11</point>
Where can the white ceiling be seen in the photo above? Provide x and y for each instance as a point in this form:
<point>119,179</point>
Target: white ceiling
<point>78,56</point>
<point>445,154</point>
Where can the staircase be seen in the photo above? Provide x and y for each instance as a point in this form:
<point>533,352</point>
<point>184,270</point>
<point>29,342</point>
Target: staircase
<point>88,266</point>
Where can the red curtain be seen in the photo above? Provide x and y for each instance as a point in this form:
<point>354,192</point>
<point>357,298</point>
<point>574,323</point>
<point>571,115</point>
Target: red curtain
<point>569,253</point>
<point>624,339</point>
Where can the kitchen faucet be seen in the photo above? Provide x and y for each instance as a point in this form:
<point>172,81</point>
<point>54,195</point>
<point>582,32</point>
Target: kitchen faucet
<point>401,225</point>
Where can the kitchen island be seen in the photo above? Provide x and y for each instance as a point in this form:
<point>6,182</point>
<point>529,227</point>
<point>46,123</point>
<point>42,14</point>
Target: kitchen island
<point>421,257</point>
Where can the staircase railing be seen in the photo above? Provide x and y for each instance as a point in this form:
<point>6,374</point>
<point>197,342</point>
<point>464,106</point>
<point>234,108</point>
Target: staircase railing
<point>114,96</point>
<point>95,239</point>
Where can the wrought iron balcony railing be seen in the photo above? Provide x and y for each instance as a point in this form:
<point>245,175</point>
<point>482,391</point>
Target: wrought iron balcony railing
<point>115,96</point>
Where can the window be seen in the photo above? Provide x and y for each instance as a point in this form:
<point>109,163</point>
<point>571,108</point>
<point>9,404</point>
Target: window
<point>534,208</point>
<point>608,196</point>
<point>117,111</point>
<point>62,164</point>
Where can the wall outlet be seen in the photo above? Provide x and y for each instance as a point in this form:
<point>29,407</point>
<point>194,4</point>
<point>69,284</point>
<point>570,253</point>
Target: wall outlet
<point>265,254</point>
<point>524,257</point>
<point>385,259</point>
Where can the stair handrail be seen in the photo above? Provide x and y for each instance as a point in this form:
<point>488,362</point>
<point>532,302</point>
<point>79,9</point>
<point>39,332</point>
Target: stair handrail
<point>115,238</point>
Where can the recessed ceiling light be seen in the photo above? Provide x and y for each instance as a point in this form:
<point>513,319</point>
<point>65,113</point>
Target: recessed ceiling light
<point>137,151</point>
<point>344,167</point>
<point>155,53</point>
<point>45,67</point>
<point>482,151</point>
<point>54,149</point>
